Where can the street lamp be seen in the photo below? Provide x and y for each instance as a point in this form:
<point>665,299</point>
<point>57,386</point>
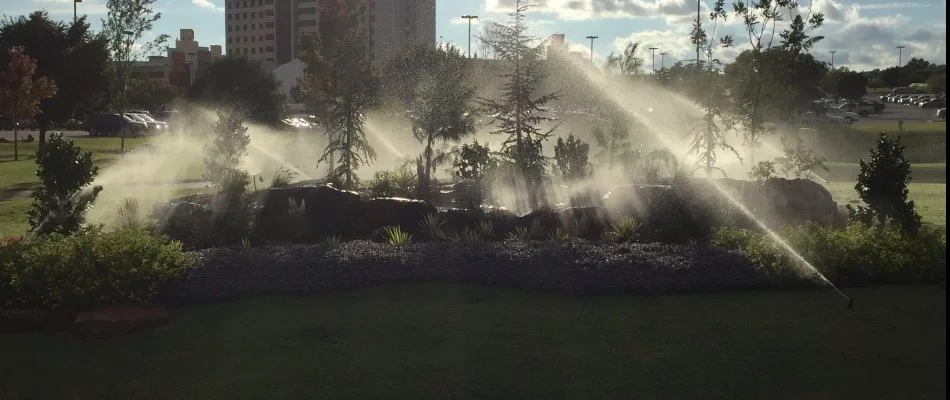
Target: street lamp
<point>74,9</point>
<point>470,18</point>
<point>900,55</point>
<point>592,47</point>
<point>653,59</point>
<point>124,79</point>
<point>662,64</point>
<point>833,59</point>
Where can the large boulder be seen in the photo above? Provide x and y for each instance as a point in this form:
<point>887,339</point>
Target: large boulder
<point>190,223</point>
<point>590,222</point>
<point>667,213</point>
<point>118,320</point>
<point>326,211</point>
<point>795,201</point>
<point>502,220</point>
<point>393,211</point>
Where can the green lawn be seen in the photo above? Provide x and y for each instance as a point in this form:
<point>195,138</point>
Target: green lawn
<point>910,127</point>
<point>21,175</point>
<point>13,217</point>
<point>930,199</point>
<point>454,341</point>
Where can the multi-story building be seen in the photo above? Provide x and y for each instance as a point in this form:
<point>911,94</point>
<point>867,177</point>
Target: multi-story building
<point>270,31</point>
<point>182,63</point>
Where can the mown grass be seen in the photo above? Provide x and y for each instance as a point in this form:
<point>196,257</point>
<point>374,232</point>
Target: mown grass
<point>910,127</point>
<point>848,145</point>
<point>21,174</point>
<point>454,341</point>
<point>930,199</point>
<point>13,218</point>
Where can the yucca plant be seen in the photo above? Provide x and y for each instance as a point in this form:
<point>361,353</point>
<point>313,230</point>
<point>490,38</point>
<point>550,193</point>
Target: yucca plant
<point>433,225</point>
<point>245,242</point>
<point>560,235</point>
<point>296,209</point>
<point>526,233</point>
<point>484,229</point>
<point>624,230</point>
<point>331,241</point>
<point>396,237</point>
<point>282,177</point>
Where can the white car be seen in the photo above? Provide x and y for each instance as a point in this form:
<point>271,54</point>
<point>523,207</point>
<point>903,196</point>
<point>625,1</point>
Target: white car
<point>841,113</point>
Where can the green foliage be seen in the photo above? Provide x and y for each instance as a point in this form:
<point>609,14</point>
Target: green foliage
<point>797,159</point>
<point>442,109</point>
<point>571,158</point>
<point>60,204</point>
<point>857,255</point>
<point>625,230</point>
<point>223,157</point>
<point>851,85</point>
<point>882,185</point>
<point>527,233</point>
<point>127,21</point>
<point>616,149</point>
<point>257,98</point>
<point>627,62</point>
<point>396,237</point>
<point>519,112</point>
<point>71,55</point>
<point>331,241</point>
<point>433,226</point>
<point>770,82</point>
<point>283,177</point>
<point>21,91</point>
<point>762,171</point>
<point>150,95</point>
<point>938,83</point>
<point>340,86</point>
<point>400,182</point>
<point>473,162</point>
<point>128,215</point>
<point>88,269</point>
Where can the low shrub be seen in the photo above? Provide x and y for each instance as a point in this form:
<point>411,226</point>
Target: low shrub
<point>400,182</point>
<point>857,255</point>
<point>88,269</point>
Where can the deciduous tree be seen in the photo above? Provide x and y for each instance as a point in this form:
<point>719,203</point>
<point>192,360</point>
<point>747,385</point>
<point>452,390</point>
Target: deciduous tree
<point>21,91</point>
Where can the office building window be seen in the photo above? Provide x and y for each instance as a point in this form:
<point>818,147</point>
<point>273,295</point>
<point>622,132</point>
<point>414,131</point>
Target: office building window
<point>269,37</point>
<point>229,17</point>
<point>270,24</point>
<point>307,22</point>
<point>268,13</point>
<point>253,50</point>
<point>270,48</point>
<point>253,38</point>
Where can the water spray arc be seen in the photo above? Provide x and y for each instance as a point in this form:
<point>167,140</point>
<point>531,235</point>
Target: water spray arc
<point>621,100</point>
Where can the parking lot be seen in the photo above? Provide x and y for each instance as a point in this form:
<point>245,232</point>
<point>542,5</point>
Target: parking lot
<point>894,112</point>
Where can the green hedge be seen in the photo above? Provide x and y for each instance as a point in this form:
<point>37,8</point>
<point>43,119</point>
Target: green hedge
<point>88,269</point>
<point>856,255</point>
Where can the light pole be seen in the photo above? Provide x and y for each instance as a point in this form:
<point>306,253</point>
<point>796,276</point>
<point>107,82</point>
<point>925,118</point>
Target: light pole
<point>123,80</point>
<point>470,18</point>
<point>900,55</point>
<point>592,47</point>
<point>833,59</point>
<point>662,63</point>
<point>74,9</point>
<point>653,58</point>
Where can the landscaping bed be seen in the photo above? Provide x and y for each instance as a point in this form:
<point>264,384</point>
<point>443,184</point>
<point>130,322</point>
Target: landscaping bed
<point>572,266</point>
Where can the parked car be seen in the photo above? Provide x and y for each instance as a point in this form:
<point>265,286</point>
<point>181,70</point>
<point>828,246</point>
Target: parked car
<point>942,113</point>
<point>841,113</point>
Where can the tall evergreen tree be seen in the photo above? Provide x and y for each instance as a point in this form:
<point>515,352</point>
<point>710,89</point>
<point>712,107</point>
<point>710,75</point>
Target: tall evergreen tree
<point>519,112</point>
<point>340,86</point>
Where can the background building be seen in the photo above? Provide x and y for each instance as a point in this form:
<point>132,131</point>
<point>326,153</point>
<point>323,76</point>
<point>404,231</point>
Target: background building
<point>270,31</point>
<point>181,64</point>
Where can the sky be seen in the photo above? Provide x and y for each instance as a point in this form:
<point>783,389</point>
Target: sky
<point>863,33</point>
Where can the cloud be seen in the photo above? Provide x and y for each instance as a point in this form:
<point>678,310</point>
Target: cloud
<point>57,8</point>
<point>207,4</point>
<point>575,10</point>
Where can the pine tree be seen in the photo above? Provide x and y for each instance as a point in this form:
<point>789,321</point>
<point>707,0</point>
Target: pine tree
<point>341,86</point>
<point>519,112</point>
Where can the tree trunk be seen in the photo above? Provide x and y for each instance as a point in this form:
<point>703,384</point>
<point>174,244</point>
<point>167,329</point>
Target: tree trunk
<point>43,122</point>
<point>16,140</point>
<point>426,182</point>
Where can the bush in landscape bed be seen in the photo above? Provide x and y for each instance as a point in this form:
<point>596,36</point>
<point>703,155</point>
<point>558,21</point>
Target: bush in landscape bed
<point>857,255</point>
<point>88,269</point>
